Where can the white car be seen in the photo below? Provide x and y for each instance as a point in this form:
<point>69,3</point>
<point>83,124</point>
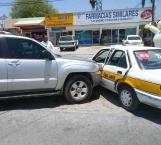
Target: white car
<point>68,42</point>
<point>134,72</point>
<point>133,40</point>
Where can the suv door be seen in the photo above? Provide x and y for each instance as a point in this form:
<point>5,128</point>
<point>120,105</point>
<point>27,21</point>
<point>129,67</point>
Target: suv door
<point>3,67</point>
<point>115,69</point>
<point>28,69</point>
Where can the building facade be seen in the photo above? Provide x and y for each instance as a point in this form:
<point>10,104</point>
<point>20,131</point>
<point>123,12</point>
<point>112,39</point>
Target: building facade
<point>98,27</point>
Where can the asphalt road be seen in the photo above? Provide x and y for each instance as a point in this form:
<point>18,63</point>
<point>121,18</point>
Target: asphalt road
<point>101,121</point>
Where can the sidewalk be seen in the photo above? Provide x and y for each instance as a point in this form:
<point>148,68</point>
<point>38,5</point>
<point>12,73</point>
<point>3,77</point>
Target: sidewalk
<point>82,51</point>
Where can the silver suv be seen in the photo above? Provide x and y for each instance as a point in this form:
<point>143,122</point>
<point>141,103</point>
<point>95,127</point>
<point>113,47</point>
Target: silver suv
<point>27,69</point>
<point>68,42</point>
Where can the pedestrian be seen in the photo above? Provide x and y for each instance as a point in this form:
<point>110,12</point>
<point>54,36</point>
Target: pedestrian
<point>47,43</point>
<point>38,37</point>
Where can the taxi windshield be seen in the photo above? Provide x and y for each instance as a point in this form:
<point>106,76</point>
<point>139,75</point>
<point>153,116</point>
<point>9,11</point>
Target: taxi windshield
<point>149,59</point>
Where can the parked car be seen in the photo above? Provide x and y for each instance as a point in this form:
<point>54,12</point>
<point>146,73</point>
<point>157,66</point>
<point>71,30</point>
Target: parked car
<point>5,32</point>
<point>133,40</point>
<point>68,42</point>
<point>27,69</point>
<point>133,72</point>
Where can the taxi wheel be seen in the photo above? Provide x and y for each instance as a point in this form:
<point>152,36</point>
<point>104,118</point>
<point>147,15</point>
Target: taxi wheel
<point>128,98</point>
<point>78,89</point>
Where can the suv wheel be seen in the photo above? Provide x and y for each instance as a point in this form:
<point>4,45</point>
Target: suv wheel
<point>78,89</point>
<point>128,98</point>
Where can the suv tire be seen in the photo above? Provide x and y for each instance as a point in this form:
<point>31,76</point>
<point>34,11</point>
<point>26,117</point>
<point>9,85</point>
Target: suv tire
<point>78,89</point>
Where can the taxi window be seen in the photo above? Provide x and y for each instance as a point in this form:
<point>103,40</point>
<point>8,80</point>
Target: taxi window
<point>118,58</point>
<point>149,59</point>
<point>101,56</point>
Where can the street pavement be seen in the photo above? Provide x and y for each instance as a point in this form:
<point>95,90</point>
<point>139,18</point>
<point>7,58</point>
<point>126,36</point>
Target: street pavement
<point>86,52</point>
<point>100,121</point>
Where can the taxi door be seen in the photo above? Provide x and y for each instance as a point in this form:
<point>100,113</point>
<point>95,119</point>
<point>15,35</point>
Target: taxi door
<point>115,69</point>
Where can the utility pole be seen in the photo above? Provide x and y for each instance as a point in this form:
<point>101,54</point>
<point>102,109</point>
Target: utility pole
<point>96,4</point>
<point>99,5</point>
<point>2,21</point>
<point>153,11</point>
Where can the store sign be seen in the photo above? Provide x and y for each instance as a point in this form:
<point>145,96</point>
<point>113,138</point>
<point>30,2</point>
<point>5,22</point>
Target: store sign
<point>113,16</point>
<point>59,20</point>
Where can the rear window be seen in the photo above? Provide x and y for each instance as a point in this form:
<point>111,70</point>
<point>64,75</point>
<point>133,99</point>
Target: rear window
<point>149,59</point>
<point>66,38</point>
<point>134,38</point>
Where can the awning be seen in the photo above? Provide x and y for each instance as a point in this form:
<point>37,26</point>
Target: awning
<point>30,22</point>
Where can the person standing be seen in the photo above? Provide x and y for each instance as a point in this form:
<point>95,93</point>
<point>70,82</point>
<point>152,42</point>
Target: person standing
<point>47,43</point>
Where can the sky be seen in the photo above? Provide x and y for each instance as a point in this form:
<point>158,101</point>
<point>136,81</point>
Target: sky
<point>64,6</point>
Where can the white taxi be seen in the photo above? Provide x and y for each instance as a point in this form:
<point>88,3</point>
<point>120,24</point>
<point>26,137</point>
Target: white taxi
<point>134,72</point>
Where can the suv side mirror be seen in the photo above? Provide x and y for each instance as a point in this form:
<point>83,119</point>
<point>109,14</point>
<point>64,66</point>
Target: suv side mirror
<point>47,55</point>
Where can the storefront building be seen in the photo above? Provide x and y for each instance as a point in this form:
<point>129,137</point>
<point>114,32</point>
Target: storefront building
<point>31,26</point>
<point>98,27</point>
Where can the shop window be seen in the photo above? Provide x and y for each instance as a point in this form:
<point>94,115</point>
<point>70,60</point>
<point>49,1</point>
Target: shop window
<point>115,36</point>
<point>130,31</point>
<point>96,37</point>
<point>121,35</point>
<point>84,37</point>
<point>105,37</point>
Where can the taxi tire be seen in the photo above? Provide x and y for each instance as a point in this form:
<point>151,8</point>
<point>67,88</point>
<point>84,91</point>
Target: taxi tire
<point>135,102</point>
<point>71,81</point>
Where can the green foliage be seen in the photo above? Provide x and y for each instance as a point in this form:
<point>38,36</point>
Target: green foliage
<point>31,8</point>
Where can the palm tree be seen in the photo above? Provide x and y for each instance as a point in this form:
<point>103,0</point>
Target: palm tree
<point>93,3</point>
<point>153,9</point>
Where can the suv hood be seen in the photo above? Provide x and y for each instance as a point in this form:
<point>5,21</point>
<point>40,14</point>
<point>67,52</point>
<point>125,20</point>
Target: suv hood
<point>77,63</point>
<point>76,58</point>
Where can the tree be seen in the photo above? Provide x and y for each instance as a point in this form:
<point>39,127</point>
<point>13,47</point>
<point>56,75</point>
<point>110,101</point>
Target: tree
<point>153,9</point>
<point>93,3</point>
<point>31,8</point>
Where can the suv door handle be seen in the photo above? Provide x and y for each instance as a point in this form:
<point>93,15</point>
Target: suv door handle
<point>14,62</point>
<point>119,72</point>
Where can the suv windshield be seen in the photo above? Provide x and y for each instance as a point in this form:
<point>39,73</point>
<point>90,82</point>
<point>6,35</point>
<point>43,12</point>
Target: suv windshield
<point>134,38</point>
<point>66,38</point>
<point>149,59</point>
